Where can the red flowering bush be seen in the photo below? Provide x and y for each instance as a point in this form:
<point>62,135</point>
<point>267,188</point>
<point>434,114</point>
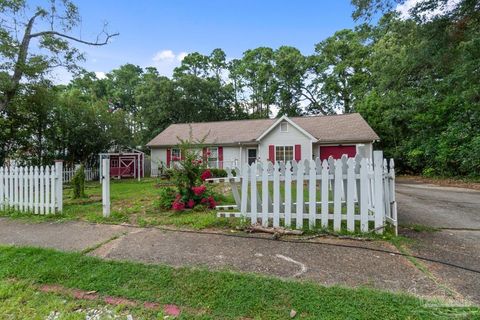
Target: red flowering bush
<point>198,191</point>
<point>209,202</point>
<point>207,174</point>
<point>189,175</point>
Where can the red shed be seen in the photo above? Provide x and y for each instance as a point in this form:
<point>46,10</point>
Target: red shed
<point>125,164</point>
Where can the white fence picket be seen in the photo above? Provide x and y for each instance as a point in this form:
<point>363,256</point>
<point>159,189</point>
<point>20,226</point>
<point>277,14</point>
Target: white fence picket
<point>379,190</point>
<point>300,201</point>
<point>312,195</point>
<point>325,194</point>
<point>253,194</point>
<point>288,195</point>
<point>264,173</point>
<point>2,188</point>
<point>276,195</point>
<point>31,189</point>
<point>337,196</point>
<point>351,182</point>
<point>364,195</point>
<point>20,189</point>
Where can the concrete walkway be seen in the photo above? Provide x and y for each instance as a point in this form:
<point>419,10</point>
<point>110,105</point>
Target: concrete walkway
<point>322,263</point>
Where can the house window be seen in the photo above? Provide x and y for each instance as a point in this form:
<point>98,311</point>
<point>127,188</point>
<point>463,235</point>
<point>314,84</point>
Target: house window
<point>213,157</point>
<point>284,153</point>
<point>284,126</point>
<point>176,154</point>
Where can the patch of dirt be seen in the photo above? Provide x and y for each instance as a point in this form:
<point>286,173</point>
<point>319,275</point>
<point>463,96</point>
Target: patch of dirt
<point>444,182</point>
<point>90,199</point>
<point>168,309</point>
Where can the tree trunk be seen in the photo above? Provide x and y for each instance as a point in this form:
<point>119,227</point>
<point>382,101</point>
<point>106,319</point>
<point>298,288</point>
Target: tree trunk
<point>12,88</point>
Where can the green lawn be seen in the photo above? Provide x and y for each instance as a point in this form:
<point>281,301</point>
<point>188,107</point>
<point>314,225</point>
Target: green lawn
<point>132,202</point>
<point>203,294</point>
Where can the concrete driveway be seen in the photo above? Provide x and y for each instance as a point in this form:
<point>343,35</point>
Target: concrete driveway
<point>435,206</point>
<point>456,213</point>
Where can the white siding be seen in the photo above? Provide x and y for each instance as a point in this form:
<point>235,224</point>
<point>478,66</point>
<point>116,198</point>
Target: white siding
<point>290,138</point>
<point>230,155</point>
<point>157,155</point>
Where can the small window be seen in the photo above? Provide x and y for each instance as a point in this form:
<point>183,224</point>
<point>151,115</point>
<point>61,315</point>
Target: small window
<point>176,154</point>
<point>284,127</point>
<point>212,154</point>
<point>284,153</point>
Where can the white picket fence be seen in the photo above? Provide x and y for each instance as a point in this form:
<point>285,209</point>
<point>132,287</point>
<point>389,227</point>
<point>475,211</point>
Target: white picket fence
<point>37,190</point>
<point>91,174</point>
<point>351,194</point>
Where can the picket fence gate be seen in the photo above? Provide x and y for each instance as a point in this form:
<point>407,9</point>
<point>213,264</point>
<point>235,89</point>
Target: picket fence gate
<point>91,174</point>
<point>36,189</point>
<point>322,194</point>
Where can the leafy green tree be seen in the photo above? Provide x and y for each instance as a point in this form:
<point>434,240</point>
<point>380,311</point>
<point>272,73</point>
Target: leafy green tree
<point>290,72</point>
<point>341,69</point>
<point>255,72</point>
<point>49,29</point>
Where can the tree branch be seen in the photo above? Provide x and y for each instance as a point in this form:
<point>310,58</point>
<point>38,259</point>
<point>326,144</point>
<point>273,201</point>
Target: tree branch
<point>96,43</point>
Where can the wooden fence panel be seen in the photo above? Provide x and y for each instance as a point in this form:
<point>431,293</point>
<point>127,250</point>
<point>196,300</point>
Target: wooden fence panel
<point>346,191</point>
<point>31,189</point>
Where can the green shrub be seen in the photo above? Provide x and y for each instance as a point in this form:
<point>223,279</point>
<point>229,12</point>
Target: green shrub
<point>78,183</point>
<point>218,173</point>
<point>166,198</point>
<point>167,173</point>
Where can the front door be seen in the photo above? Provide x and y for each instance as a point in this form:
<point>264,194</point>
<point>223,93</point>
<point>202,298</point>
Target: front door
<point>252,156</point>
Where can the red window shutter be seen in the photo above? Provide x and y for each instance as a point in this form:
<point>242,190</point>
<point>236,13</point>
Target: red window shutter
<point>182,155</point>
<point>169,156</point>
<point>204,154</point>
<point>220,157</point>
<point>271,153</point>
<point>298,152</point>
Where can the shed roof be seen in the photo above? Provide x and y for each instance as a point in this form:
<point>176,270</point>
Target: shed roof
<point>327,129</point>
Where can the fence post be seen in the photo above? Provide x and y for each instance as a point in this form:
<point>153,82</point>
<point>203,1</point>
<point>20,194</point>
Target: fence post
<point>378,188</point>
<point>106,187</point>
<point>59,184</point>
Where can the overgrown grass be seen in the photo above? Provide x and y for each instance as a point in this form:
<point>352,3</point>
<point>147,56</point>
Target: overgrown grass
<point>216,295</point>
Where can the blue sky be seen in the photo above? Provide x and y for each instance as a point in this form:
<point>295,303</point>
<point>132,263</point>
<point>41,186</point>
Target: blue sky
<point>159,33</point>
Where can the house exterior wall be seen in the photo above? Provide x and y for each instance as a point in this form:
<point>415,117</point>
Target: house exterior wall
<point>156,156</point>
<point>290,138</point>
<point>231,155</point>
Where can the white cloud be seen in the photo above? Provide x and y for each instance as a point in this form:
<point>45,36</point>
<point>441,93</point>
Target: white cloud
<point>405,7</point>
<point>181,56</point>
<point>166,61</point>
<point>163,55</point>
<point>100,75</point>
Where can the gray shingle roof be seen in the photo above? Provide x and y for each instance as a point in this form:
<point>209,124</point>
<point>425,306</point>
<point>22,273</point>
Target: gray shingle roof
<point>328,129</point>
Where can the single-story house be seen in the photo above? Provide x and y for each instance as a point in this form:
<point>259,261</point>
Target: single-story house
<point>232,143</point>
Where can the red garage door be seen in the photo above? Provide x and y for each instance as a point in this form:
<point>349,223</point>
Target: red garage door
<point>337,151</point>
